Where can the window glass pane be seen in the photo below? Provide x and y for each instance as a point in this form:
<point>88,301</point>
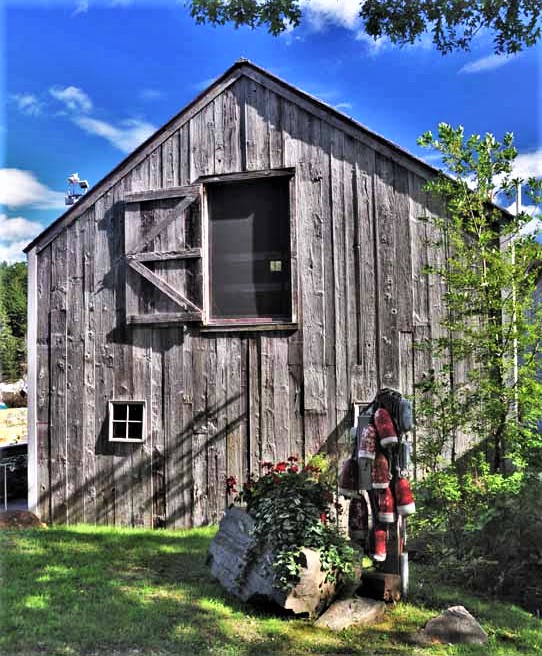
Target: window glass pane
<point>119,411</point>
<point>136,412</point>
<point>119,429</point>
<point>135,430</point>
<point>250,249</point>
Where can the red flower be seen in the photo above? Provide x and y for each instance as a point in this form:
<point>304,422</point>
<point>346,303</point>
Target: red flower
<point>323,518</point>
<point>231,485</point>
<point>281,467</point>
<point>294,469</point>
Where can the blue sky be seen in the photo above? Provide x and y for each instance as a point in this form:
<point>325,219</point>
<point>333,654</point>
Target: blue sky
<point>85,81</point>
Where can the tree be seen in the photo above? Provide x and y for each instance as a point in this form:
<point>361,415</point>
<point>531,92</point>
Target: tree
<point>13,283</point>
<point>453,23</point>
<point>488,382</point>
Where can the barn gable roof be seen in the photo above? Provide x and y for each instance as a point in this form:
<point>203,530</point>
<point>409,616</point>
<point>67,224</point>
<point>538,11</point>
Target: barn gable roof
<point>240,68</point>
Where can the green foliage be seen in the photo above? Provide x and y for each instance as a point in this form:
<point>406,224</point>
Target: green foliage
<point>453,25</point>
<point>484,531</point>
<point>292,509</point>
<point>492,321</point>
<point>12,320</point>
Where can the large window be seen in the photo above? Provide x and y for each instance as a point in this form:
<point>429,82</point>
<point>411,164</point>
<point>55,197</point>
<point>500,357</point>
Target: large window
<point>249,250</point>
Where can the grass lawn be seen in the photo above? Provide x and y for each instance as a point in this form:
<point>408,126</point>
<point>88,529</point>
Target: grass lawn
<point>98,591</point>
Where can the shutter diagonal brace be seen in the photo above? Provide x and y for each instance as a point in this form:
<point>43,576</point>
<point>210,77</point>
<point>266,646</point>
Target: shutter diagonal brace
<point>163,286</point>
<point>157,229</point>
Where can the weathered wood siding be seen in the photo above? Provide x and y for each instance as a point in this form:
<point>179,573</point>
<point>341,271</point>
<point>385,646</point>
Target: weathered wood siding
<point>220,402</point>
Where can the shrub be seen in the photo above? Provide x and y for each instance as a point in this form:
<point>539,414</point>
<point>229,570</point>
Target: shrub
<point>292,507</point>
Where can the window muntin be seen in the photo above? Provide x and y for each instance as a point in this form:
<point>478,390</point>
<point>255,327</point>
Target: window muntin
<point>249,251</point>
<point>127,421</point>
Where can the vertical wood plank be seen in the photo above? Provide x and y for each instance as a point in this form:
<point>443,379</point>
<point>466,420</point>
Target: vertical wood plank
<point>254,404</point>
<point>202,142</point>
<point>339,289</point>
<point>104,358</point>
<point>155,168</point>
<point>403,249</point>
<point>217,423</point>
<point>366,381</point>
<point>43,453</point>
<point>200,431</point>
<point>185,156</point>
<point>123,381</point>
<point>420,299</point>
<point>74,370</point>
<point>89,369</point>
<point>171,161</point>
<point>385,208</point>
<point>231,129</point>
<point>274,126</point>
<point>257,130</point>
<point>236,444</point>
<point>58,410</point>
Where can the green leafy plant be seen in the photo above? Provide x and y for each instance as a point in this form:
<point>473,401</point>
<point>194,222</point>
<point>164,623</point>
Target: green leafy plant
<point>485,382</point>
<point>293,507</point>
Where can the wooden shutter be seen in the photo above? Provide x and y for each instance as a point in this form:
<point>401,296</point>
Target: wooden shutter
<point>162,245</point>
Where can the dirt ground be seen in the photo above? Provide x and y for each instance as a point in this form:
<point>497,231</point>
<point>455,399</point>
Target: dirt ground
<point>13,426</point>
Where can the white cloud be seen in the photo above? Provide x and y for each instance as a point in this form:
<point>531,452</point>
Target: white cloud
<point>21,188</point>
<point>489,63</point>
<point>528,165</point>
<point>13,251</point>
<point>151,94</point>
<point>75,99</point>
<point>374,45</point>
<point>320,13</point>
<point>81,7</point>
<point>17,227</point>
<point>130,134</point>
<point>343,105</point>
<point>532,226</point>
<point>121,3</point>
<point>27,103</point>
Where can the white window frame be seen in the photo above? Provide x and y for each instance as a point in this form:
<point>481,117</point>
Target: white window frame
<point>127,440</point>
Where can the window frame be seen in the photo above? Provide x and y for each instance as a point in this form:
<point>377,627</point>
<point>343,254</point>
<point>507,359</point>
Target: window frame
<point>249,323</point>
<point>127,440</point>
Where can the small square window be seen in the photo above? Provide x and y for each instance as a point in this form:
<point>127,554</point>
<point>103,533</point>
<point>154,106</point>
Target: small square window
<point>127,421</point>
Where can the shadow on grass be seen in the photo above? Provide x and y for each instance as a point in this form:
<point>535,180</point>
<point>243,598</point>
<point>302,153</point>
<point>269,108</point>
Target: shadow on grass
<point>96,592</point>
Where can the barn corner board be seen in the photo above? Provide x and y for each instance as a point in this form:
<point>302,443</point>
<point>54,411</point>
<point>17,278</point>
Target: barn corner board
<point>222,297</point>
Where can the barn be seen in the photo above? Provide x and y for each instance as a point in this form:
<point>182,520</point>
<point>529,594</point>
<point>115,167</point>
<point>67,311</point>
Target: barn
<point>224,296</point>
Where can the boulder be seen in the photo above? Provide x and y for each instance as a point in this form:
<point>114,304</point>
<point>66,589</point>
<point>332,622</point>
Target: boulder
<point>20,519</point>
<point>455,625</point>
<point>251,577</point>
<point>354,610</point>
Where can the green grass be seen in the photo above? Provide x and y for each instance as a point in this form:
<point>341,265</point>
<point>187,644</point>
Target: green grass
<point>97,591</point>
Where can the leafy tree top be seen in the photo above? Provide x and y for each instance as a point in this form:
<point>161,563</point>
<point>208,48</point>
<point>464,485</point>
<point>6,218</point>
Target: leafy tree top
<point>453,23</point>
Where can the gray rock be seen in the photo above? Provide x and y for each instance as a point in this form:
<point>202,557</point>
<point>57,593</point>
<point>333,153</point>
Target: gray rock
<point>347,612</point>
<point>455,625</point>
<point>250,579</point>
